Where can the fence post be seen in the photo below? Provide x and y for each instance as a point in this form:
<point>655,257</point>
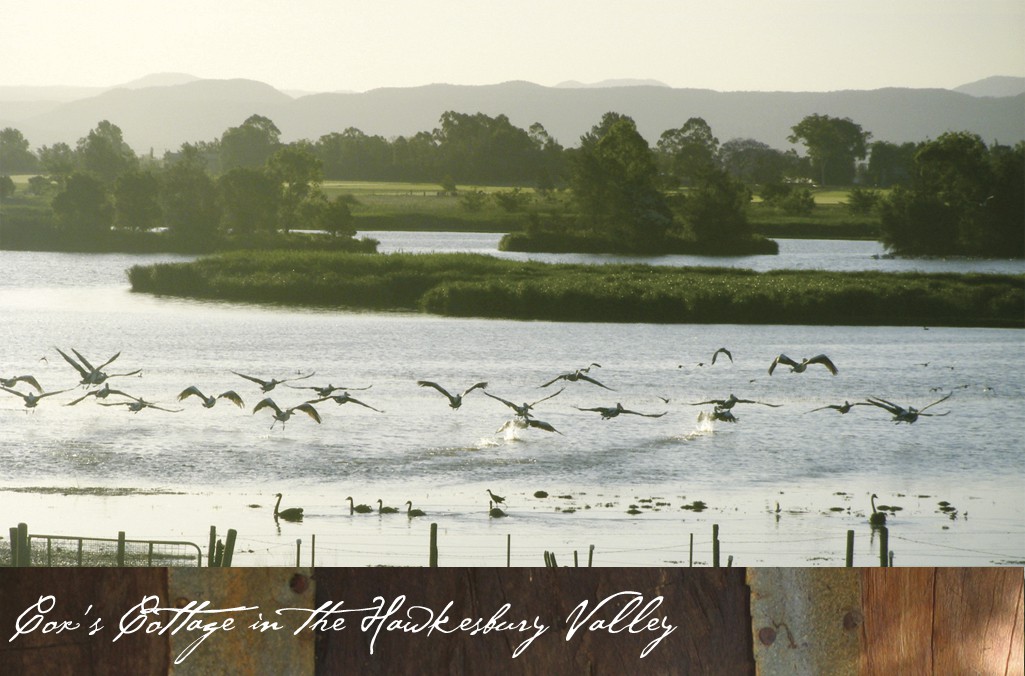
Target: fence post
<point>576,564</point>
<point>433,562</point>
<point>212,547</point>
<point>298,550</point>
<point>850,549</point>
<point>691,563</point>
<point>14,546</point>
<point>715,545</point>
<point>884,545</point>
<point>24,548</point>
<point>313,550</point>
<point>508,550</point>
<point>590,556</point>
<point>229,548</point>
<point>120,549</point>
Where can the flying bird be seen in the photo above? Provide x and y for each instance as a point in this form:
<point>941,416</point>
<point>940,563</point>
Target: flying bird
<point>268,385</point>
<point>608,412</point>
<point>454,400</point>
<point>282,416</point>
<point>358,509</point>
<point>345,399</point>
<point>722,350</point>
<point>909,414</point>
<point>845,407</point>
<point>139,404</point>
<point>731,401</point>
<point>290,514</point>
<point>523,410</point>
<point>327,390</point>
<point>28,380</point>
<point>524,423</point>
<point>101,393</point>
<point>805,363</point>
<point>579,374</point>
<point>31,399</point>
<point>94,375</point>
<point>208,402</point>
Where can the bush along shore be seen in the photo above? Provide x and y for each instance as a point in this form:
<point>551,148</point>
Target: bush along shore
<point>473,285</point>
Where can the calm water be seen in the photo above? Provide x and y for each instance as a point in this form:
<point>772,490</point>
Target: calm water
<point>94,470</point>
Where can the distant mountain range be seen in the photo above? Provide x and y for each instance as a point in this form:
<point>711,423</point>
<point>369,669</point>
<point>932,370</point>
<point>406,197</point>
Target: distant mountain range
<point>160,112</point>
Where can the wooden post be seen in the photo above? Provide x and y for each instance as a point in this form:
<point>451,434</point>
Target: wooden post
<point>14,546</point>
<point>298,550</point>
<point>313,550</point>
<point>508,550</point>
<point>884,545</point>
<point>229,548</point>
<point>120,549</point>
<point>729,561</point>
<point>434,546</point>
<point>24,549</point>
<point>590,556</point>
<point>715,545</point>
<point>555,564</point>
<point>691,564</point>
<point>576,564</point>
<point>211,547</point>
<point>850,549</point>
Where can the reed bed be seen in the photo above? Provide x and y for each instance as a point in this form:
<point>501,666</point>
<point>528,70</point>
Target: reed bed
<point>484,286</point>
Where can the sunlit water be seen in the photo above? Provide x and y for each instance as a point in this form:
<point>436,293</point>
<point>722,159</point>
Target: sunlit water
<point>94,470</point>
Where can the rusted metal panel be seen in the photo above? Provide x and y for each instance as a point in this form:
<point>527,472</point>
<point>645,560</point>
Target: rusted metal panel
<point>805,620</point>
<point>248,595</point>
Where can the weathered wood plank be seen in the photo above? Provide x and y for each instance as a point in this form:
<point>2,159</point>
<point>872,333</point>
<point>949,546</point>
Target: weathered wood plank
<point>897,604</point>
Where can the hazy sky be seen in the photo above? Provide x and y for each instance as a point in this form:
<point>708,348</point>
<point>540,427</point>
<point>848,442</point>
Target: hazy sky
<point>328,45</point>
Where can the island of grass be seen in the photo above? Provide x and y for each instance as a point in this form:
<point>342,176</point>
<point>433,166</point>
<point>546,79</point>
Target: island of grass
<point>473,285</point>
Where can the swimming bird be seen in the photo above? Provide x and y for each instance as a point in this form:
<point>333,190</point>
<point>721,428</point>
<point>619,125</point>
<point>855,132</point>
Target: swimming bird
<point>139,404</point>
<point>608,412</point>
<point>101,393</point>
<point>909,414</point>
<point>579,374</point>
<point>845,407</point>
<point>498,499</point>
<point>359,509</point>
<point>268,385</point>
<point>524,410</point>
<point>344,398</point>
<point>31,399</point>
<point>282,416</point>
<point>877,518</point>
<point>805,363</point>
<point>208,402</point>
<point>731,401</point>
<point>454,400</point>
<point>327,390</point>
<point>410,512</point>
<point>381,509</point>
<point>495,512</point>
<point>94,375</point>
<point>290,514</point>
<point>28,380</point>
<point>524,423</point>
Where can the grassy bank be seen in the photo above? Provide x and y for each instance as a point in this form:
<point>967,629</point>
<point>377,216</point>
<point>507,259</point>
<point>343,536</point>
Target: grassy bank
<point>482,286</point>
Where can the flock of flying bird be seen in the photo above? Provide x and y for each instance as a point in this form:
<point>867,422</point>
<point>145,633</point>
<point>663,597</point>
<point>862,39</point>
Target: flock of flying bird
<point>97,378</point>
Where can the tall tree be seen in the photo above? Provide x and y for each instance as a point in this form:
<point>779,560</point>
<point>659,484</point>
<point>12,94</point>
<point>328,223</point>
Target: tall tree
<point>688,152</point>
<point>188,198</point>
<point>833,145</point>
<point>15,156</point>
<point>250,144</point>
<point>83,206</point>
<point>615,185</point>
<point>104,153</point>
<point>891,164</point>
<point>755,162</point>
<point>715,210</point>
<point>298,171</point>
<point>136,201</point>
<point>249,200</point>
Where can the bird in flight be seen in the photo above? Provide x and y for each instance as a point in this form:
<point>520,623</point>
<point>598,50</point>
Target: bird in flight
<point>845,407</point>
<point>28,380</point>
<point>524,423</point>
<point>523,410</point>
<point>796,367</point>
<point>327,390</point>
<point>579,374</point>
<point>722,350</point>
<point>268,385</point>
<point>454,400</point>
<point>31,399</point>
<point>909,414</point>
<point>101,393</point>
<point>208,402</point>
<point>731,401</point>
<point>93,375</point>
<point>138,405</point>
<point>608,412</point>
<point>282,416</point>
<point>344,398</point>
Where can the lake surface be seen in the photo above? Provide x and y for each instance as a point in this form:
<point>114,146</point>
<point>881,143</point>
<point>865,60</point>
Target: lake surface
<point>94,470</point>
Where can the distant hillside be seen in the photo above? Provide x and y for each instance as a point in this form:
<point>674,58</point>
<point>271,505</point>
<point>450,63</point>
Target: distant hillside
<point>1000,85</point>
<point>164,117</point>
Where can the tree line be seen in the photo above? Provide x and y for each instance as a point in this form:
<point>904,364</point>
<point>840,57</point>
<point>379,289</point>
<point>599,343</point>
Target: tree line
<point>952,194</point>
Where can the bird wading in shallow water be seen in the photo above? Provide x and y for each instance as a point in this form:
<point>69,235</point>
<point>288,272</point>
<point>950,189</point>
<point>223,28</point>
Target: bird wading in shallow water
<point>796,367</point>
<point>454,400</point>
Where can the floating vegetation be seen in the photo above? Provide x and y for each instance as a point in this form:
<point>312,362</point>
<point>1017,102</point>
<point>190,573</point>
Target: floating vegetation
<point>696,506</point>
<point>633,510</point>
<point>540,494</point>
<point>565,497</point>
<point>837,509</point>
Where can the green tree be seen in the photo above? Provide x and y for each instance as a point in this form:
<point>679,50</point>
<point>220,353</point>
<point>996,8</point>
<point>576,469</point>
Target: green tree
<point>615,185</point>
<point>82,207</point>
<point>834,144</point>
<point>59,161</point>
<point>336,217</point>
<point>298,172</point>
<point>715,210</point>
<point>188,198</point>
<point>891,164</point>
<point>755,162</point>
<point>688,152</point>
<point>249,200</point>
<point>250,144</point>
<point>354,156</point>
<point>104,153</point>
<point>7,186</point>
<point>15,156</point>
<point>137,201</point>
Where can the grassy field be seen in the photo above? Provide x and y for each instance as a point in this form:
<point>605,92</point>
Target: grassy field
<point>483,286</point>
